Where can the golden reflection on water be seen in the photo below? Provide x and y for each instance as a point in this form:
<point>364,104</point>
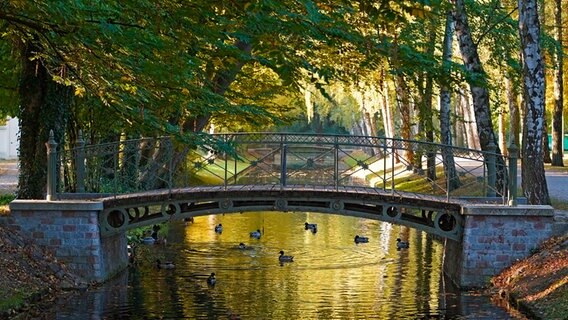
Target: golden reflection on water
<point>331,276</point>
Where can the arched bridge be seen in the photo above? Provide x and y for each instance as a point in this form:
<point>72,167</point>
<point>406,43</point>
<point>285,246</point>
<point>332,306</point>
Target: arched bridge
<point>428,213</point>
<point>97,192</point>
<point>149,180</point>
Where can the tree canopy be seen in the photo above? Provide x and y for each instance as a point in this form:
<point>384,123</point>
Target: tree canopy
<point>170,67</point>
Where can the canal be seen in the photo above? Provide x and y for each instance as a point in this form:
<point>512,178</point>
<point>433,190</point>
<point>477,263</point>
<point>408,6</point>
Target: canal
<point>331,276</point>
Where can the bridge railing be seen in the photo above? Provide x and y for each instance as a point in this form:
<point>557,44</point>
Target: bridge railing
<point>279,159</point>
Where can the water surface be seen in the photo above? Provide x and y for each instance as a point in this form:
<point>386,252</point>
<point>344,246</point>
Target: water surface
<point>331,277</point>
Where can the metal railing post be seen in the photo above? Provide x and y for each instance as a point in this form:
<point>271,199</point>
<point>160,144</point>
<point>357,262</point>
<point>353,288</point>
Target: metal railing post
<point>447,170</point>
<point>80,162</point>
<point>51,146</point>
<point>491,172</point>
<point>513,150</point>
<point>283,148</point>
<point>170,165</point>
<point>226,164</point>
<point>392,166</point>
<point>385,150</point>
<point>336,163</point>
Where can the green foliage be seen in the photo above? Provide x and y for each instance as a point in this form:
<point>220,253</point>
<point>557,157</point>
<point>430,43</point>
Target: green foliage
<point>9,302</point>
<point>9,69</point>
<point>6,198</point>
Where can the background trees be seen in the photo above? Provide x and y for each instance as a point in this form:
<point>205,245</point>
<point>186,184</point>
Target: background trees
<point>132,68</point>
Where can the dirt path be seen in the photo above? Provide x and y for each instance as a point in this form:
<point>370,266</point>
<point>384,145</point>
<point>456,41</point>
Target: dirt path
<point>8,176</point>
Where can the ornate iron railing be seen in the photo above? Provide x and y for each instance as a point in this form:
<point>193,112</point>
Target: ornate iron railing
<point>278,159</point>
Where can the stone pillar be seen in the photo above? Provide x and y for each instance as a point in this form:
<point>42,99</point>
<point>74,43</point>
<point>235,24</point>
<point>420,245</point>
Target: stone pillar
<point>70,230</point>
<point>495,237</point>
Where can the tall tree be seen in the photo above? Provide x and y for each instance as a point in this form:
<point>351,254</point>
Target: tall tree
<point>445,107</point>
<point>533,177</point>
<point>44,104</point>
<point>478,85</point>
<point>557,123</point>
<point>545,144</point>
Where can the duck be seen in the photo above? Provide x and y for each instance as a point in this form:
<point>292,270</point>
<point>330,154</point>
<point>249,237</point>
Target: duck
<point>189,220</point>
<point>255,234</point>
<point>165,264</point>
<point>283,258</point>
<point>402,244</point>
<point>242,246</point>
<point>211,279</point>
<point>310,226</point>
<point>360,239</point>
<point>219,228</point>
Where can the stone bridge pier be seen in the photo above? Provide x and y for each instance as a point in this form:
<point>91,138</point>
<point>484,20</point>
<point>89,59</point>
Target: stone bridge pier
<point>494,237</point>
<point>70,230</point>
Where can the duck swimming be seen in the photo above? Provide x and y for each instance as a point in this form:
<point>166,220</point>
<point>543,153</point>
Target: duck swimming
<point>402,244</point>
<point>283,258</point>
<point>219,228</point>
<point>310,226</point>
<point>211,279</point>
<point>255,234</point>
<point>165,264</point>
<point>359,239</point>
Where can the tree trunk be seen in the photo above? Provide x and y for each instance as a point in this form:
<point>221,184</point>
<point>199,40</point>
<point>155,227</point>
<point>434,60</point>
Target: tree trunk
<point>502,133</point>
<point>460,132</point>
<point>403,103</point>
<point>534,179</point>
<point>388,122</point>
<point>468,118</point>
<point>478,86</point>
<point>44,106</point>
<point>445,107</point>
<point>545,143</point>
<point>557,136</point>
<point>220,83</point>
<point>514,117</point>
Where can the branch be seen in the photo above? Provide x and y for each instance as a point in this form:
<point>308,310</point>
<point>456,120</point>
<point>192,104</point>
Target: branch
<point>118,23</point>
<point>493,26</point>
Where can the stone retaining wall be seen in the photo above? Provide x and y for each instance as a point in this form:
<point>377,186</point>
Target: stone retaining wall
<point>70,230</point>
<point>494,238</point>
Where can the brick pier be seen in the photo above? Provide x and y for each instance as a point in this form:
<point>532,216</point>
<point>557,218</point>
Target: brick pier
<point>70,230</point>
<point>494,238</point>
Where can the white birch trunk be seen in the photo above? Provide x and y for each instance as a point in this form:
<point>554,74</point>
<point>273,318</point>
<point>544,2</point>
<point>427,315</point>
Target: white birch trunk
<point>533,177</point>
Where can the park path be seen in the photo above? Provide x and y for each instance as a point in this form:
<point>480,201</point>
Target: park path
<point>8,176</point>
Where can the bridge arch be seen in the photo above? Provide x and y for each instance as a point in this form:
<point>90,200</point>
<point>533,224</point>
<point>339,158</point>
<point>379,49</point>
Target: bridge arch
<point>430,214</point>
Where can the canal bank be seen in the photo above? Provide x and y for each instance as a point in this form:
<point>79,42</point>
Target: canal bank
<point>538,285</point>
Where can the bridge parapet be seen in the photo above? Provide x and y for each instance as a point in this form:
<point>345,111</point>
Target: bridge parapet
<point>279,159</point>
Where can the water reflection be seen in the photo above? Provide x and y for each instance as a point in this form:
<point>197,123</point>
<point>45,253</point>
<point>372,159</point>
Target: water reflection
<point>331,277</point>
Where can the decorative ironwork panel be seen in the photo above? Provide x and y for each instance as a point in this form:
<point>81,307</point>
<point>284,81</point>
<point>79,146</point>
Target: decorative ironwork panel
<point>279,159</point>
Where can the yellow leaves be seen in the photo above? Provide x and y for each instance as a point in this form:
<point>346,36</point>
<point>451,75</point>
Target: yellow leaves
<point>185,92</point>
<point>129,88</point>
<point>80,91</point>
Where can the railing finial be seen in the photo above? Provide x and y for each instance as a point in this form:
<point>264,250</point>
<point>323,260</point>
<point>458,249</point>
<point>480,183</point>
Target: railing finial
<point>51,146</point>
